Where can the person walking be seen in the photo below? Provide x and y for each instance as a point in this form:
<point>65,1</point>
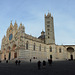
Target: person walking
<point>50,61</point>
<point>30,60</point>
<point>44,64</point>
<point>19,62</point>
<point>6,61</point>
<point>0,61</point>
<point>16,62</point>
<point>39,64</point>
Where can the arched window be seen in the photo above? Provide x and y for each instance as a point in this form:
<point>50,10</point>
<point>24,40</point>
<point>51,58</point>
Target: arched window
<point>50,49</point>
<point>59,50</point>
<point>56,50</point>
<point>34,47</point>
<point>27,45</point>
<point>48,36</point>
<point>50,56</point>
<point>44,49</point>
<point>40,48</point>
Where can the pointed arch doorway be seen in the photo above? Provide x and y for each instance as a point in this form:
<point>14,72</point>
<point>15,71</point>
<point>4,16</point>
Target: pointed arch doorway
<point>15,55</point>
<point>9,55</point>
<point>70,50</point>
<point>71,56</point>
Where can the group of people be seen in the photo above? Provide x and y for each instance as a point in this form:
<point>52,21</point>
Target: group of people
<point>44,63</point>
<point>17,62</point>
<point>6,61</point>
<point>50,61</point>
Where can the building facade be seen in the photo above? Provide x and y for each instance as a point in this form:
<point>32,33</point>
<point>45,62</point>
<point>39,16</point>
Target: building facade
<point>19,45</point>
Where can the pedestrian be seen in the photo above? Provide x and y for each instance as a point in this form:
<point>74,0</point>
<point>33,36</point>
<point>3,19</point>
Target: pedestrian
<point>16,62</point>
<point>0,61</point>
<point>5,58</point>
<point>6,61</point>
<point>30,60</point>
<point>44,64</point>
<point>19,62</point>
<point>50,61</point>
<point>39,64</point>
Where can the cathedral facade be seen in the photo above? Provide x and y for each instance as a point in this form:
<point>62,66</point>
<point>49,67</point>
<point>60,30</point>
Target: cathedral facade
<point>19,45</point>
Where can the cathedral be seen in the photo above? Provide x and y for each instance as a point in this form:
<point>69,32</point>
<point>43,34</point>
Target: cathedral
<point>19,45</point>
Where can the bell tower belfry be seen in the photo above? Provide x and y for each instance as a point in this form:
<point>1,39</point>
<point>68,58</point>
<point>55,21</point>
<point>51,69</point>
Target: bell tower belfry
<point>49,29</point>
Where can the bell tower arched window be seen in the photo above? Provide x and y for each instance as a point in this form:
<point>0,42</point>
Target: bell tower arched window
<point>50,49</point>
<point>40,48</point>
<point>34,47</point>
<point>27,45</point>
<point>44,49</point>
<point>59,50</point>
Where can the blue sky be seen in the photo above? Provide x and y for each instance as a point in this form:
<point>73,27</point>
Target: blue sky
<point>31,14</point>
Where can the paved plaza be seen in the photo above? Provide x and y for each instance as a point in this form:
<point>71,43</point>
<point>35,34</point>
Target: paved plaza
<point>57,68</point>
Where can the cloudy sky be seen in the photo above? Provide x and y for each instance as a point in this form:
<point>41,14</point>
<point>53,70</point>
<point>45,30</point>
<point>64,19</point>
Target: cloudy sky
<point>31,14</point>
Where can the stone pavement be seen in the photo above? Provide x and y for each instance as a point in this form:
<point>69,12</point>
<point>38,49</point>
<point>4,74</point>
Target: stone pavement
<point>57,68</point>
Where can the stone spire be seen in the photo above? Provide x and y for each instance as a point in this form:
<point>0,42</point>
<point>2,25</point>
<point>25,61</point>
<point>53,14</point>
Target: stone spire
<point>4,36</point>
<point>42,33</point>
<point>11,24</point>
<point>21,28</point>
<point>45,15</point>
<point>20,24</point>
<point>49,14</point>
<point>15,25</point>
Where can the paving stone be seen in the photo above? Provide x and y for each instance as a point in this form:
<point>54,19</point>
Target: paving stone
<point>57,68</point>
